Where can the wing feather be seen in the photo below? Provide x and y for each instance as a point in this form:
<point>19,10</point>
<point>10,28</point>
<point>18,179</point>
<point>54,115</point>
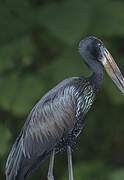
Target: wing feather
<point>48,122</point>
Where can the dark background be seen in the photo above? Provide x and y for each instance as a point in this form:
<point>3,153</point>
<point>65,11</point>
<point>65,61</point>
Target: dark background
<point>38,49</point>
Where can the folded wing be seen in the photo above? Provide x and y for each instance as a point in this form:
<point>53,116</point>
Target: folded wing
<point>47,123</point>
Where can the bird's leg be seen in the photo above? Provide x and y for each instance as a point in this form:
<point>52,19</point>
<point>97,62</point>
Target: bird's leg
<point>50,171</point>
<point>69,153</point>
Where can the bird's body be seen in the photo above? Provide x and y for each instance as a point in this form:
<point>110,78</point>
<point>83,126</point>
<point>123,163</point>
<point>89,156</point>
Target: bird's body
<point>57,119</point>
<point>54,123</point>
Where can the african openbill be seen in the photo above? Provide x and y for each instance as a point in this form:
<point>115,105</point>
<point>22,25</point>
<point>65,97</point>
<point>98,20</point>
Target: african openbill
<point>57,119</point>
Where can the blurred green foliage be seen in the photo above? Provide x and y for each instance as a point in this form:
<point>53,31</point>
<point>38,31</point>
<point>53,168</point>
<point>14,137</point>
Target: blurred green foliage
<point>117,174</point>
<point>90,171</point>
<point>38,49</point>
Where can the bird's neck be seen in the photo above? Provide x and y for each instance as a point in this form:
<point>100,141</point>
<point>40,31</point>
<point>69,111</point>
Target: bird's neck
<point>97,74</point>
<point>97,79</point>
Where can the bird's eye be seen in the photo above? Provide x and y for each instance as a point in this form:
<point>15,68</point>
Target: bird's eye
<point>98,44</point>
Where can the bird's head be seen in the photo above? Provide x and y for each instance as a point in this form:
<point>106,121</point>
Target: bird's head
<point>94,52</point>
<point>90,48</point>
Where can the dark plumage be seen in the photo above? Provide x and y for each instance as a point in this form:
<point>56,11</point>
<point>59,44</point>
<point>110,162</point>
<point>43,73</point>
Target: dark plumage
<point>58,118</point>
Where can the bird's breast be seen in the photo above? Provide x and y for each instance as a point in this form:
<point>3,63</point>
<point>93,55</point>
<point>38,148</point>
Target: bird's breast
<point>85,98</point>
<point>82,100</point>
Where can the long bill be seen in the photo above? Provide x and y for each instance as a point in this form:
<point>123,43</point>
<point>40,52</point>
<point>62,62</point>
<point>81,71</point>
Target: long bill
<point>113,70</point>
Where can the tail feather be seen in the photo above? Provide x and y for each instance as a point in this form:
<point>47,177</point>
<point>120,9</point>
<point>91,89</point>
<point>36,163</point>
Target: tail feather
<point>18,167</point>
<point>14,161</point>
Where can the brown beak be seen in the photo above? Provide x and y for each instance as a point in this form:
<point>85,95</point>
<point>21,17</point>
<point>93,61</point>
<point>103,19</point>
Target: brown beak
<point>113,70</point>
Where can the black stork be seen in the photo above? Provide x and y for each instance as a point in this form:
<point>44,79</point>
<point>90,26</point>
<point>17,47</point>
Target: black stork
<point>57,119</point>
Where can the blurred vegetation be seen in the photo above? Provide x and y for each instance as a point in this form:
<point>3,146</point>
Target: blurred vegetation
<point>38,49</point>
